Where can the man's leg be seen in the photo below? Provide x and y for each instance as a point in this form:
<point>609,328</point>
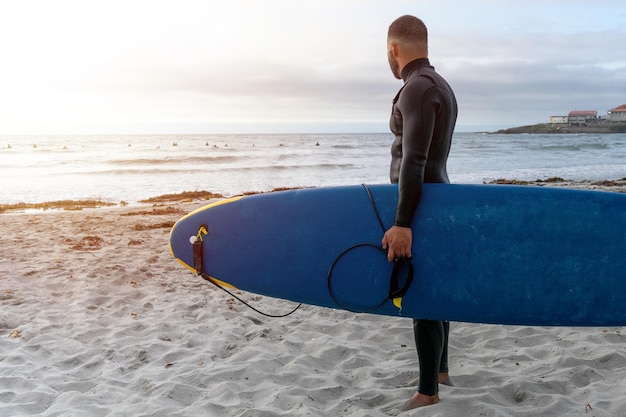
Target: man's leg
<point>430,339</point>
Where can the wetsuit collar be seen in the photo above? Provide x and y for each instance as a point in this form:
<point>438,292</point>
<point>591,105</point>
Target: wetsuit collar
<point>413,65</point>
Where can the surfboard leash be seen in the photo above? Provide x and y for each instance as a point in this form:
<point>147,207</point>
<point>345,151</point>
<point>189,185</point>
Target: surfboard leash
<point>376,212</point>
<point>274,316</point>
<point>396,292</point>
<point>198,264</point>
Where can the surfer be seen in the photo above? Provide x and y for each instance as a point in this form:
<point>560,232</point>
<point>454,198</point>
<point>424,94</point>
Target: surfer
<point>422,120</point>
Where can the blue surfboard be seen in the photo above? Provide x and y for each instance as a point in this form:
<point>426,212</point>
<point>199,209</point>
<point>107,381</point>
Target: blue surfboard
<point>481,253</point>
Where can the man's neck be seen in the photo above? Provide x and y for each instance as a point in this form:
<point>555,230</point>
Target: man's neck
<point>412,65</point>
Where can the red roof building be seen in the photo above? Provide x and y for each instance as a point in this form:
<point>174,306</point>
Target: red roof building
<point>618,114</point>
<point>581,116</point>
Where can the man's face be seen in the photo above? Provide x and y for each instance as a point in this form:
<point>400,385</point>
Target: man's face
<point>393,62</point>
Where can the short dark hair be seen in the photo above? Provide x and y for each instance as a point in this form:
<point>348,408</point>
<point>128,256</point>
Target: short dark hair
<point>409,29</point>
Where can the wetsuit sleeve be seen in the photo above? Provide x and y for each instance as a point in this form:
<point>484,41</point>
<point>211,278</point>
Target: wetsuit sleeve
<point>418,114</point>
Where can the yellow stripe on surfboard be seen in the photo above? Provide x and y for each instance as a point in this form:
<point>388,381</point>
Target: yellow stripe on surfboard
<point>215,280</point>
<point>201,209</point>
<point>215,204</point>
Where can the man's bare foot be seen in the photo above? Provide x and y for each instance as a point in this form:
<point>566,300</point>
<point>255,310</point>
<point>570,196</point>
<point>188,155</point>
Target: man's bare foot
<point>444,379</point>
<point>420,400</point>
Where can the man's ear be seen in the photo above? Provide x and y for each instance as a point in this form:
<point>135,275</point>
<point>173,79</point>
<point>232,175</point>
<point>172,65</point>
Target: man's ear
<point>393,47</point>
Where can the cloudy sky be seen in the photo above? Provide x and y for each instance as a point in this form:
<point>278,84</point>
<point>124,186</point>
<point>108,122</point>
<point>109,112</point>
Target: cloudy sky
<point>213,66</point>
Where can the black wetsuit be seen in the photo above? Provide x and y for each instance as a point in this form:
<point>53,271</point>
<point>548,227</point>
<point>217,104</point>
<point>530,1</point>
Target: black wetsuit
<point>422,120</point>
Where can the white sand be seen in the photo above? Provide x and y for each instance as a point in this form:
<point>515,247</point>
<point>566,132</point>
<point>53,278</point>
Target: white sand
<point>123,330</point>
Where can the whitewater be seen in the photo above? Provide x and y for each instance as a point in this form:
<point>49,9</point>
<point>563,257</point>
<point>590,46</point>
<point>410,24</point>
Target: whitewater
<point>129,168</point>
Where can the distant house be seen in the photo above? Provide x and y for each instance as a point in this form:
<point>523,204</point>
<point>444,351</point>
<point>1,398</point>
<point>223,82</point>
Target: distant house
<point>557,120</point>
<point>579,117</point>
<point>618,114</point>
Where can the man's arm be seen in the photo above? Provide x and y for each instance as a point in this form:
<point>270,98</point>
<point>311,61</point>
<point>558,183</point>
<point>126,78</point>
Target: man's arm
<point>418,116</point>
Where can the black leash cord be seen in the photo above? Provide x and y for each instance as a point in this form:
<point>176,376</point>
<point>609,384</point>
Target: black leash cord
<point>371,197</point>
<point>394,285</point>
<point>330,272</point>
<point>277,316</point>
<point>395,290</point>
<point>198,262</point>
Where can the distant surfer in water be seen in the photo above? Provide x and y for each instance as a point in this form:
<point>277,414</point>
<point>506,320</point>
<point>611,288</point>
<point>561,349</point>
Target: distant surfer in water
<point>422,120</point>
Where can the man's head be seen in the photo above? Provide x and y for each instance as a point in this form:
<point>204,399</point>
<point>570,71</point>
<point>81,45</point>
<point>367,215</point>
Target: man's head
<point>407,40</point>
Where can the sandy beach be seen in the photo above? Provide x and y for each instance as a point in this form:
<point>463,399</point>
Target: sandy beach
<point>98,319</point>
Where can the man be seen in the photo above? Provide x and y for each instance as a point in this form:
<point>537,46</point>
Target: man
<point>423,117</point>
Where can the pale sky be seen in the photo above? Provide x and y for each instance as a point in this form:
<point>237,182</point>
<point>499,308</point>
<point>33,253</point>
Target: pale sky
<point>263,66</point>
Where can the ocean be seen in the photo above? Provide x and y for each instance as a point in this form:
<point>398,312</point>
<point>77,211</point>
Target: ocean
<point>130,168</point>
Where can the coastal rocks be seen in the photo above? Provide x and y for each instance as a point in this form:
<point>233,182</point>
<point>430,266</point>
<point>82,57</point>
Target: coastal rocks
<point>559,128</point>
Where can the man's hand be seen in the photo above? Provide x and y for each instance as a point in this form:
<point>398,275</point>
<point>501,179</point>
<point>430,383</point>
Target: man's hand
<point>398,241</point>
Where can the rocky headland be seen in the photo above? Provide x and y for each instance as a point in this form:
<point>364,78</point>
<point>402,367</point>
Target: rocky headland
<point>562,128</point>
